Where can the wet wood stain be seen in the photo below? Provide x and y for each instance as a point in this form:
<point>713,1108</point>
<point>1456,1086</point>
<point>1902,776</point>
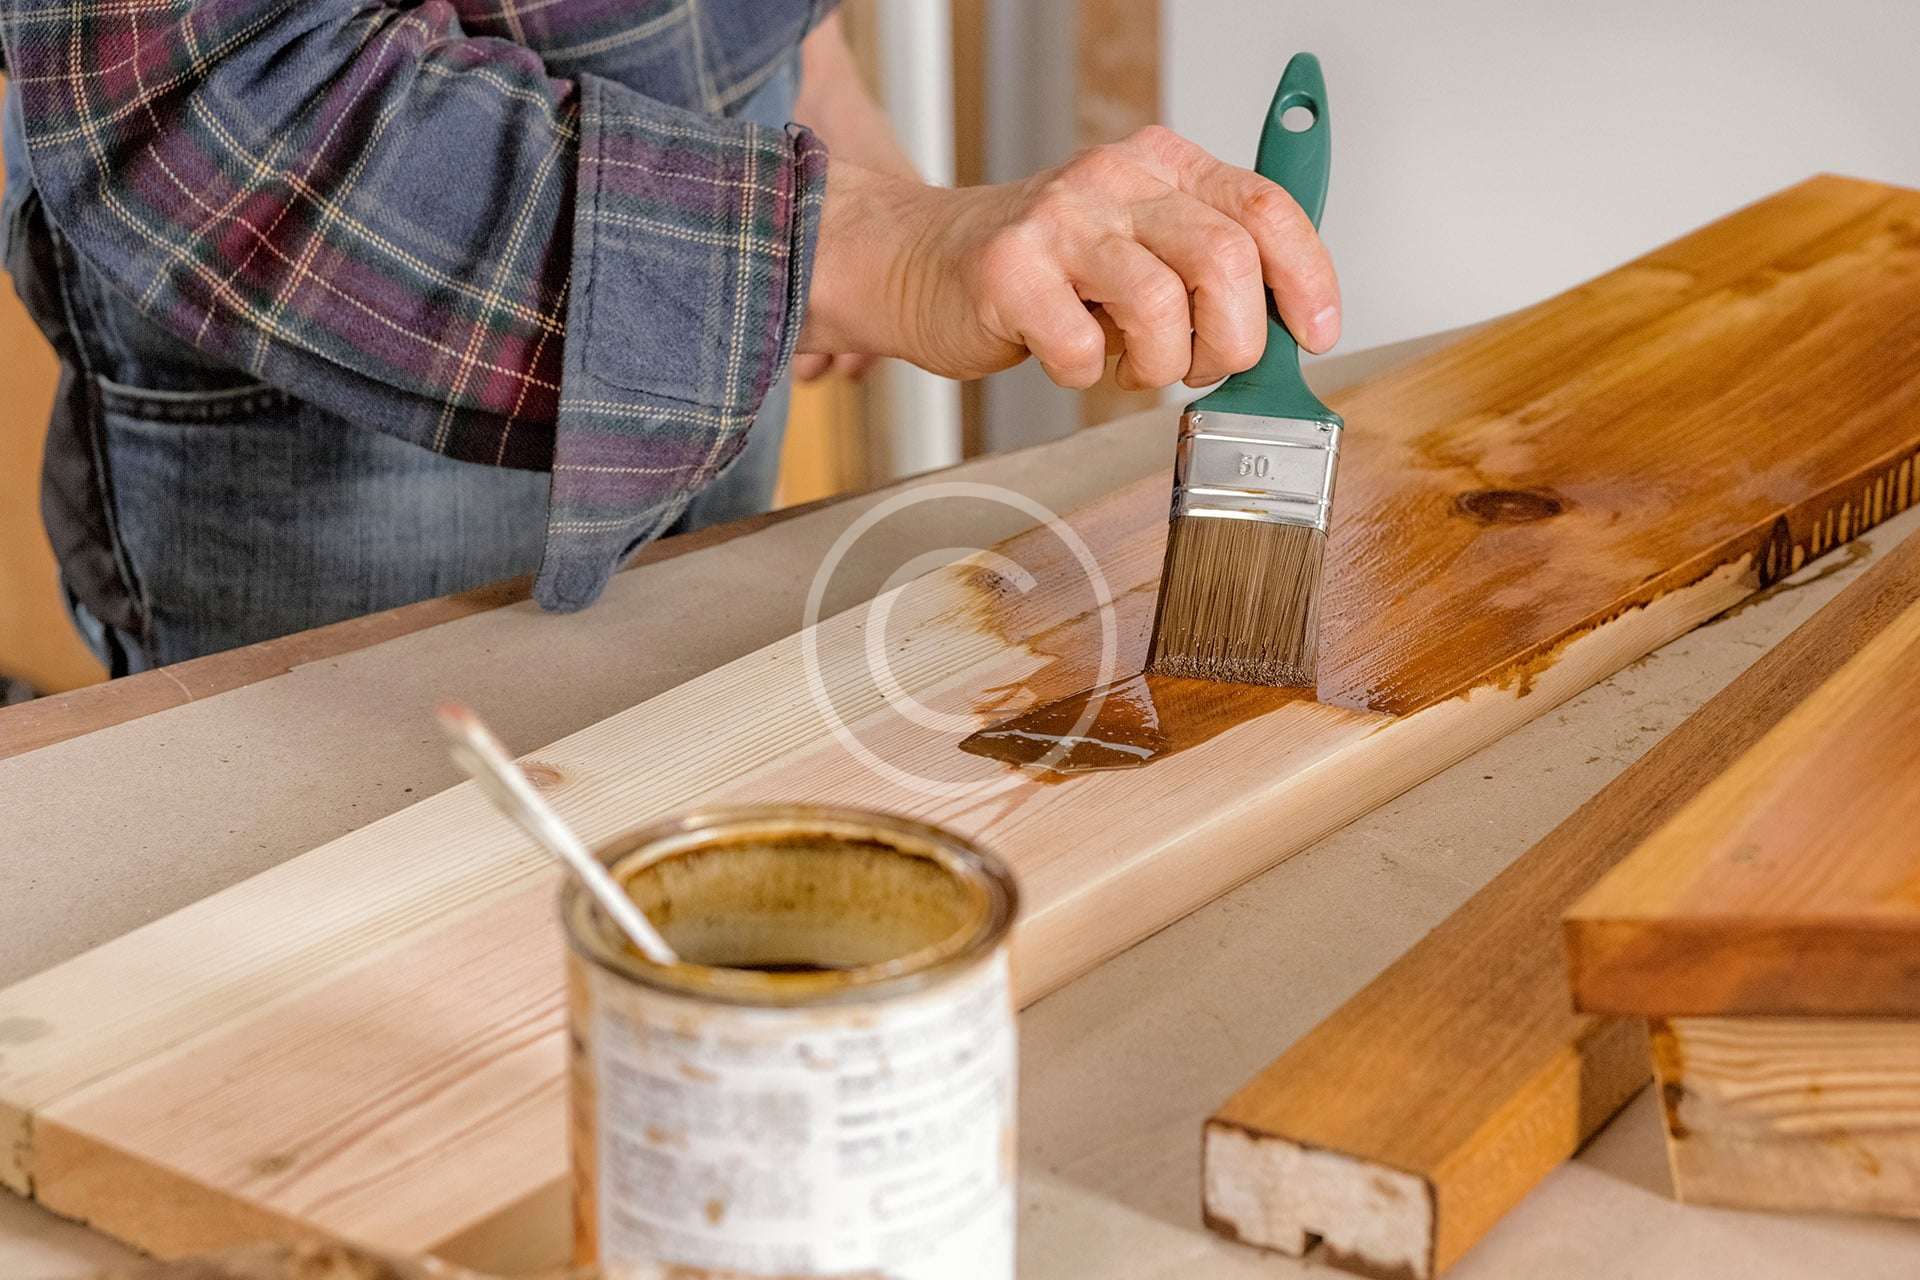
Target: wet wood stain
<point>1510,494</point>
<point>1124,725</point>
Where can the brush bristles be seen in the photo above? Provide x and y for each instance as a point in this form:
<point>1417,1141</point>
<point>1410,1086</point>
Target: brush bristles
<point>1239,602</point>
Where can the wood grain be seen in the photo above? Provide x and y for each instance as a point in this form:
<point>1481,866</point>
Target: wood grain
<point>318,1262</point>
<point>1663,378</point>
<point>1791,886</point>
<point>365,1041</point>
<point>292,1262</point>
<point>1483,1077</point>
<point>45,721</point>
<point>338,1262</point>
<point>1793,1113</point>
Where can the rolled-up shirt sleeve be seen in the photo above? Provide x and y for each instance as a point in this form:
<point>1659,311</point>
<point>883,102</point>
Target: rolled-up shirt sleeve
<point>708,55</point>
<point>428,233</point>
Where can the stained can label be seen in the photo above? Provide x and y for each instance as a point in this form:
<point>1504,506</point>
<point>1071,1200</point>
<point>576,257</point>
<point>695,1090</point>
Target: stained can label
<point>869,1138</point>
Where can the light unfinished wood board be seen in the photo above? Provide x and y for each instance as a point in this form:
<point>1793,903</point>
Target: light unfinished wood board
<point>317,1261</point>
<point>1403,1127</point>
<point>302,1262</point>
<point>1790,886</point>
<point>1793,1113</point>
<point>366,1042</point>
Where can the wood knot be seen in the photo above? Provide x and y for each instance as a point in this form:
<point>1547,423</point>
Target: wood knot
<point>544,777</point>
<point>1509,506</point>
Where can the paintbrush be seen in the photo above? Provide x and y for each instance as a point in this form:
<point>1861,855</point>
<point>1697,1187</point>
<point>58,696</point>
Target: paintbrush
<point>1253,473</point>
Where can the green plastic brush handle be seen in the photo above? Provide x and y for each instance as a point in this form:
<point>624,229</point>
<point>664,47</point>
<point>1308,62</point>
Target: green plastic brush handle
<point>1300,163</point>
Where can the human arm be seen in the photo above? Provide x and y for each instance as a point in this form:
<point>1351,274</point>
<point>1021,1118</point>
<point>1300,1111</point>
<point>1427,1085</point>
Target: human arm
<point>1168,243</point>
<point>428,234</point>
<point>1149,247</point>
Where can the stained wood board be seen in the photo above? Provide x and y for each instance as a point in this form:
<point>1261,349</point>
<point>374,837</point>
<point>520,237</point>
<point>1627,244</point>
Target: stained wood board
<point>1402,1128</point>
<point>1790,886</point>
<point>384,1012</point>
<point>1792,1114</point>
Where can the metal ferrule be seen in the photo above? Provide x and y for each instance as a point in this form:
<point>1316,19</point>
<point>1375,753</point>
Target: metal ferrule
<point>1238,466</point>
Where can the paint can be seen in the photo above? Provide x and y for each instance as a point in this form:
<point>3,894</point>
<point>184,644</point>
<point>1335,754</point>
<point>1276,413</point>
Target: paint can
<point>825,1085</point>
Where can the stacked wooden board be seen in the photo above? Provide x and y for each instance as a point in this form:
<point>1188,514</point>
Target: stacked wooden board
<point>366,1042</point>
<point>1771,933</point>
<point>1406,1124</point>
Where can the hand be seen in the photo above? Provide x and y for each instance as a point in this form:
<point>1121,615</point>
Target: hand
<point>1150,248</point>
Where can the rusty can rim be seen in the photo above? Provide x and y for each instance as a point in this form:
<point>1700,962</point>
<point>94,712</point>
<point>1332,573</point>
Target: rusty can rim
<point>597,941</point>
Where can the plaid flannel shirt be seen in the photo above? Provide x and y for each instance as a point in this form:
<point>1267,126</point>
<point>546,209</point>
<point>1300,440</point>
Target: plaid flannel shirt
<point>521,232</point>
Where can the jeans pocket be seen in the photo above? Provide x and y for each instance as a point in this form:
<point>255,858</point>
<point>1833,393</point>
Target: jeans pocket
<point>195,478</point>
<point>245,513</point>
<point>252,404</point>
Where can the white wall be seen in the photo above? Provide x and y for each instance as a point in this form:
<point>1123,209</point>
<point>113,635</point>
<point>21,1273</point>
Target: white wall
<point>1489,153</point>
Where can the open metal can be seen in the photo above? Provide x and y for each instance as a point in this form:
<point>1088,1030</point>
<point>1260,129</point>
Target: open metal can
<point>825,1085</point>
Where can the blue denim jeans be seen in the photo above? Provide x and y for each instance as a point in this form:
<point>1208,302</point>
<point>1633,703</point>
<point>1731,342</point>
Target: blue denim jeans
<point>194,509</point>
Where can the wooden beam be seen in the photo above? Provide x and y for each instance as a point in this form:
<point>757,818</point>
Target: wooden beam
<point>1116,92</point>
<point>1770,929</point>
<point>366,1041</point>
<point>1793,1113</point>
<point>970,168</point>
<point>1402,1128</point>
<point>1790,886</point>
<point>1117,87</point>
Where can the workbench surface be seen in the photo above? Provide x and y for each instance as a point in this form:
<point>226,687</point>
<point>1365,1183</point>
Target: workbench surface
<point>1118,1069</point>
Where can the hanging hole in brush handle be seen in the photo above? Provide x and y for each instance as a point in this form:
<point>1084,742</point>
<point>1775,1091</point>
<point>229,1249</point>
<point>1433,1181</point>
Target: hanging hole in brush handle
<point>1299,159</point>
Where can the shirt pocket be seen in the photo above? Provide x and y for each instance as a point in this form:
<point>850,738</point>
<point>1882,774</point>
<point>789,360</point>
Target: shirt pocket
<point>658,314</point>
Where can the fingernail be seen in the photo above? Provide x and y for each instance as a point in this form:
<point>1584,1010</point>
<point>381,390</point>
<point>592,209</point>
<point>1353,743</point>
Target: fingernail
<point>1326,328</point>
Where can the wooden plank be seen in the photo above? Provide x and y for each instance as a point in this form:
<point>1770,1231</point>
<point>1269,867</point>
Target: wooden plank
<point>1116,91</point>
<point>1790,886</point>
<point>1793,1113</point>
<point>365,1041</point>
<point>45,721</point>
<point>1402,1128</point>
<point>59,718</point>
<point>314,1262</point>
